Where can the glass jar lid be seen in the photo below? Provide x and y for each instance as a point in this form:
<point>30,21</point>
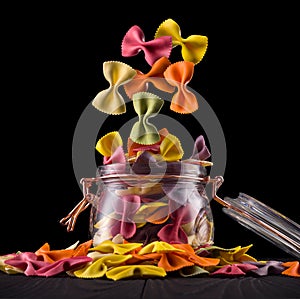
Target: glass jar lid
<point>264,221</point>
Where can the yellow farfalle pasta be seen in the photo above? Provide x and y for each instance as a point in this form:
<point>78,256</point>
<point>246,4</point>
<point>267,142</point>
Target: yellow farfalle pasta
<point>170,148</point>
<point>153,212</point>
<point>132,271</point>
<point>110,100</point>
<point>107,144</point>
<point>99,266</point>
<point>110,247</point>
<point>193,48</point>
<point>158,247</point>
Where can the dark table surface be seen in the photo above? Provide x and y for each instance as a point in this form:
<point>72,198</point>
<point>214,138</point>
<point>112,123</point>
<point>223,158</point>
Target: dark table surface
<point>64,286</point>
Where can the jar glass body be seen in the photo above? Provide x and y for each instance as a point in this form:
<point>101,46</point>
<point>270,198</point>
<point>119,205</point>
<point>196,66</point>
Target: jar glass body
<point>164,202</point>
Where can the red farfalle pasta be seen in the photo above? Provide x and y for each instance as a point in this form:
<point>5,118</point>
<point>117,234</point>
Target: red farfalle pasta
<point>234,270</point>
<point>133,147</point>
<point>126,208</point>
<point>134,42</point>
<point>173,232</point>
<point>33,265</point>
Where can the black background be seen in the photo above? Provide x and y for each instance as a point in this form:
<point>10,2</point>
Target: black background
<point>52,68</point>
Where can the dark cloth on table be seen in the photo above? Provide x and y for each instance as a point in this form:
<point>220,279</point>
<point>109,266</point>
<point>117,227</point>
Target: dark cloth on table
<point>64,286</point>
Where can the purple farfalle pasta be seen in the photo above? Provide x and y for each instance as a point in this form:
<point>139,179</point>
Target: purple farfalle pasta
<point>266,268</point>
<point>200,150</point>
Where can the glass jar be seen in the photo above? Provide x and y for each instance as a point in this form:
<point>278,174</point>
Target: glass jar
<point>160,202</point>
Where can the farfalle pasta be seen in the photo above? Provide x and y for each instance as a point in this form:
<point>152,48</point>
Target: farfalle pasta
<point>150,214</point>
<point>146,105</point>
<point>193,47</point>
<point>117,260</point>
<point>179,74</point>
<point>134,42</point>
<point>110,100</point>
<point>155,76</point>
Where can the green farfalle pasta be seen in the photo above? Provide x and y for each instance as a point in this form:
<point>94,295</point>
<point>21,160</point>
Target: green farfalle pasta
<point>146,105</point>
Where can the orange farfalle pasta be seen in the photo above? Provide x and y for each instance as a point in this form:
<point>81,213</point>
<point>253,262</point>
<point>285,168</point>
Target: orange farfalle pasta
<point>190,254</point>
<point>193,48</point>
<point>170,257</point>
<point>179,74</point>
<point>110,100</point>
<point>51,256</point>
<point>155,76</point>
<point>169,261</point>
<point>293,268</point>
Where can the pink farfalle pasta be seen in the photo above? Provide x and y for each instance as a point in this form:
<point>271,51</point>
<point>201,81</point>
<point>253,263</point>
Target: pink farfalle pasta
<point>6,268</point>
<point>125,208</point>
<point>28,262</point>
<point>200,150</point>
<point>265,268</point>
<point>33,265</point>
<point>63,265</point>
<point>110,146</point>
<point>180,215</point>
<point>134,42</point>
<point>234,270</point>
